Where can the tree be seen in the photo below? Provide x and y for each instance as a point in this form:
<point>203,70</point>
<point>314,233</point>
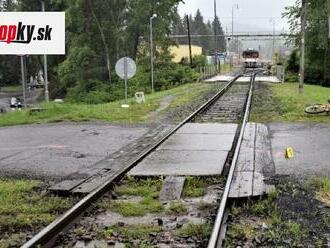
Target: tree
<point>98,33</point>
<point>9,65</point>
<point>198,26</point>
<point>221,40</point>
<point>317,41</point>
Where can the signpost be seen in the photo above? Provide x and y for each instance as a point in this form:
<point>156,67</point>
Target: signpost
<point>125,69</point>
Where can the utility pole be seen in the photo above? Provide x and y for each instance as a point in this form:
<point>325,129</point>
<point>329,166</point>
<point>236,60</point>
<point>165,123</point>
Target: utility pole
<point>152,53</point>
<point>189,41</point>
<point>302,46</point>
<point>274,33</point>
<point>23,80</point>
<point>45,64</point>
<point>215,38</point>
<point>232,25</point>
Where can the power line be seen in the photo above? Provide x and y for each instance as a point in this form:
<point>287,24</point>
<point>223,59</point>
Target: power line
<point>229,36</point>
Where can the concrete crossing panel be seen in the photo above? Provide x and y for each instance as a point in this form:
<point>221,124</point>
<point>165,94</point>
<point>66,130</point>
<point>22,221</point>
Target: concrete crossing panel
<point>195,150</point>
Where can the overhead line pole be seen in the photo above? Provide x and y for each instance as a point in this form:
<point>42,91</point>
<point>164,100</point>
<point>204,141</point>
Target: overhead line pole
<point>215,38</point>
<point>273,50</point>
<point>152,52</point>
<point>232,27</point>
<point>189,41</point>
<point>302,46</point>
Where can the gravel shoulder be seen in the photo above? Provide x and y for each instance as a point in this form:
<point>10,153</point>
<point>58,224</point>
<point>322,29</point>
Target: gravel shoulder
<point>292,216</point>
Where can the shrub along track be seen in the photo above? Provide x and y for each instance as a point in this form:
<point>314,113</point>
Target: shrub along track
<point>147,202</point>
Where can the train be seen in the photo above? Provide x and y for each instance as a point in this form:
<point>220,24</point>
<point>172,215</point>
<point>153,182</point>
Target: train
<point>251,58</point>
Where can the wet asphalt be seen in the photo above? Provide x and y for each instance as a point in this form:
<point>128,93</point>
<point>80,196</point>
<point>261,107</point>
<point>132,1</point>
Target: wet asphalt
<point>4,100</point>
<point>59,150</point>
<point>311,145</point>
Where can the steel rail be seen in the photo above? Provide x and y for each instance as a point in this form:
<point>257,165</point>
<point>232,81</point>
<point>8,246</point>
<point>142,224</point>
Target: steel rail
<point>213,241</point>
<point>50,232</point>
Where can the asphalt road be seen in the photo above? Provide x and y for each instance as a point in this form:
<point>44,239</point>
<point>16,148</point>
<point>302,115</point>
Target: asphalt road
<point>62,150</point>
<point>59,150</point>
<point>311,145</point>
<point>4,99</point>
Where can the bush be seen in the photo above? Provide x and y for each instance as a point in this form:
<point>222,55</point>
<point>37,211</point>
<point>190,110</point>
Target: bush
<point>292,64</point>
<point>291,77</point>
<point>198,61</point>
<point>167,76</point>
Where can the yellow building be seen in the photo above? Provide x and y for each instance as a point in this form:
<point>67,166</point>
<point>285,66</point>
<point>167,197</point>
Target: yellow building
<point>182,51</point>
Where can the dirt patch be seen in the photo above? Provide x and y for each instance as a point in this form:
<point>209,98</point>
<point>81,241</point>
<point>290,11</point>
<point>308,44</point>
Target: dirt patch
<point>164,104</point>
<point>290,217</point>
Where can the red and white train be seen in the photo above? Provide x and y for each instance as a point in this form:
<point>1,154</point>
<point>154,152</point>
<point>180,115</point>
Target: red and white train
<point>251,59</point>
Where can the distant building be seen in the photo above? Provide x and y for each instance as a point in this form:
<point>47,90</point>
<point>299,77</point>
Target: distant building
<point>182,51</point>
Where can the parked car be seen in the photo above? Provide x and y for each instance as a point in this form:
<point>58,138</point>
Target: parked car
<point>15,103</point>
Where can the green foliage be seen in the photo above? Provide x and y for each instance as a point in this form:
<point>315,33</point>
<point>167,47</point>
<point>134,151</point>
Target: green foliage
<point>322,184</point>
<point>292,64</point>
<point>22,206</point>
<point>317,41</point>
<point>148,189</point>
<point>198,61</point>
<point>129,208</point>
<point>291,77</point>
<point>285,103</point>
<point>255,213</point>
<point>167,75</point>
<point>199,26</point>
<point>177,208</point>
<point>135,187</point>
<point>130,232</point>
<point>201,231</point>
<point>242,231</point>
<point>110,112</point>
<point>196,186</point>
<point>98,33</point>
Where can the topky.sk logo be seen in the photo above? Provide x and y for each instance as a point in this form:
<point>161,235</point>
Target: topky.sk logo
<point>32,33</point>
<point>21,33</point>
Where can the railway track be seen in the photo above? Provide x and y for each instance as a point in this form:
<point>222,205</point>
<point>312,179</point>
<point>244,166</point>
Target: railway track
<point>231,104</point>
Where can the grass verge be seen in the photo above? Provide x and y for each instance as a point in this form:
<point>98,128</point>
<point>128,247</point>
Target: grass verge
<point>147,189</point>
<point>130,232</point>
<point>201,231</point>
<point>23,210</point>
<point>196,186</point>
<point>176,208</point>
<point>284,103</point>
<point>323,190</point>
<point>134,209</point>
<point>111,112</point>
<point>11,88</point>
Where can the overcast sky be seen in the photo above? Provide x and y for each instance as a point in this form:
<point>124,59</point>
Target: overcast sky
<point>252,15</point>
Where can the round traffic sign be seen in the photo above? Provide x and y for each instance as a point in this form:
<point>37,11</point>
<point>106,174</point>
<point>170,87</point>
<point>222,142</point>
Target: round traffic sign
<point>126,68</point>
